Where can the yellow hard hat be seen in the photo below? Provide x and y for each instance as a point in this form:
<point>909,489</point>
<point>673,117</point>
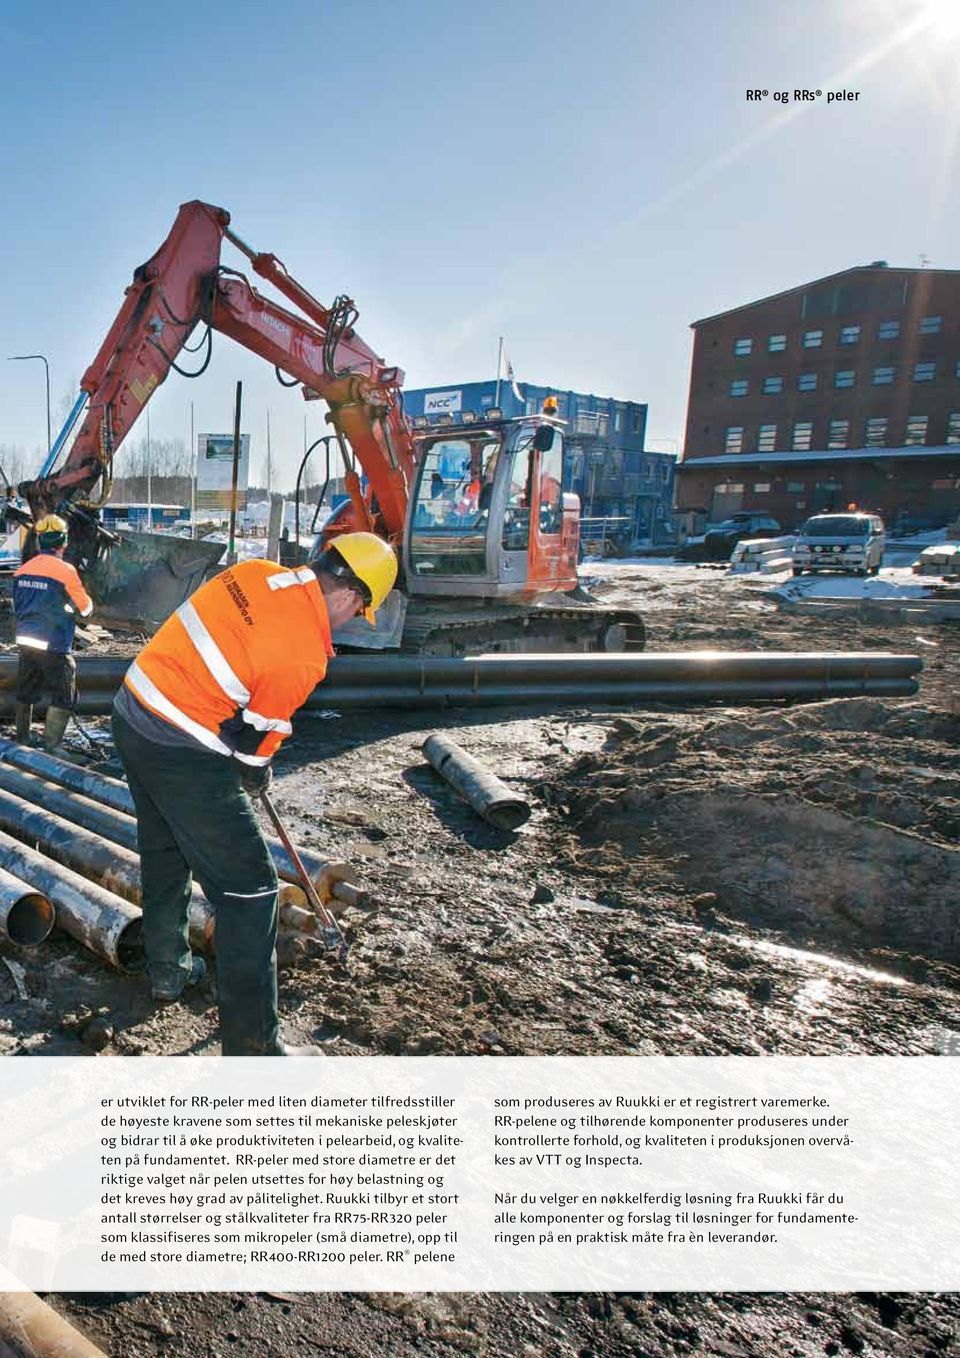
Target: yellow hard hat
<point>51,532</point>
<point>373,562</point>
<point>52,523</point>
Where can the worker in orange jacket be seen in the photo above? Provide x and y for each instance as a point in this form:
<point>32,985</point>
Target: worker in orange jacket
<point>201,713</point>
<point>47,597</point>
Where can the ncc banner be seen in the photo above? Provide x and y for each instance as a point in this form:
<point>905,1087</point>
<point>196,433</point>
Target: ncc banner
<point>215,471</point>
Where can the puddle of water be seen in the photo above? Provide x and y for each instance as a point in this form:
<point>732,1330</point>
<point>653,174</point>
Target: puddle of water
<point>781,950</point>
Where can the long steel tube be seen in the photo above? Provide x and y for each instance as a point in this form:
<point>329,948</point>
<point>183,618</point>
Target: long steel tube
<point>111,791</point>
<point>358,681</point>
<point>614,694</point>
<point>100,920</point>
<point>26,914</point>
<point>108,864</point>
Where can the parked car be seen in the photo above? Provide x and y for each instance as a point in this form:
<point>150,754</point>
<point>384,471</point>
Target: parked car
<point>850,543</point>
<point>720,539</point>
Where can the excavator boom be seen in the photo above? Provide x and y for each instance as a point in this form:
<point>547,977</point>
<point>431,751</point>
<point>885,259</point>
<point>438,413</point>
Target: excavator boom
<point>183,285</point>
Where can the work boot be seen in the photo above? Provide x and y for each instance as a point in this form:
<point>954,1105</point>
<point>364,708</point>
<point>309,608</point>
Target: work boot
<point>54,727</point>
<point>24,718</point>
<point>198,974</point>
<point>286,1049</point>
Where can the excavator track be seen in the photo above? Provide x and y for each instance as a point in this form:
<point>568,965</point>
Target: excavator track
<point>574,625</point>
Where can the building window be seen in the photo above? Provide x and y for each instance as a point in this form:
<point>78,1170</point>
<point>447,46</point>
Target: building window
<point>812,339</point>
<point>740,387</point>
<point>838,434</point>
<point>931,325</point>
<point>883,376</point>
<point>916,430</point>
<point>888,330</point>
<point>776,344</point>
<point>734,440</point>
<point>844,377</point>
<point>796,487</point>
<point>761,488</point>
<point>925,371</point>
<point>875,432</point>
<point>850,334</point>
<point>953,427</point>
<point>766,438</point>
<point>742,346</point>
<point>807,382</point>
<point>802,436</point>
<point>635,422</point>
<point>772,385</point>
<point>730,488</point>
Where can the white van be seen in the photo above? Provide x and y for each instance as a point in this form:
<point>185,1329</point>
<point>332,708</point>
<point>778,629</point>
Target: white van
<point>851,543</point>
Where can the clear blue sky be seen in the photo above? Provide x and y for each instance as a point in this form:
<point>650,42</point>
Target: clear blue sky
<point>585,181</point>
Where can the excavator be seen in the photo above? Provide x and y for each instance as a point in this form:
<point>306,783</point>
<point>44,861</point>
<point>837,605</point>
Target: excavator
<point>487,538</point>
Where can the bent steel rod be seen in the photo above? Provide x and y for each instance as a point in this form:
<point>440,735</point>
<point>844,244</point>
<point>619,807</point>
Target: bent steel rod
<point>26,914</point>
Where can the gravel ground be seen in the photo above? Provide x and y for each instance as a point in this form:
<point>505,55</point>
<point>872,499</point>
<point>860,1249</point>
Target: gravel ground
<point>702,881</point>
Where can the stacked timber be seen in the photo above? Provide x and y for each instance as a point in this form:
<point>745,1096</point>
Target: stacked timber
<point>942,559</point>
<point>769,555</point>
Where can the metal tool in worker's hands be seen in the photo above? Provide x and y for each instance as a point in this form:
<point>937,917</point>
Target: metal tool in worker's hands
<point>331,932</point>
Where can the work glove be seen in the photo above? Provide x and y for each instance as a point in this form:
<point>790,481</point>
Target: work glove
<point>255,778</point>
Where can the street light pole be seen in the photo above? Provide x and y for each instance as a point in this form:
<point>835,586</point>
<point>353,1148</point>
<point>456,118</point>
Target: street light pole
<point>20,358</point>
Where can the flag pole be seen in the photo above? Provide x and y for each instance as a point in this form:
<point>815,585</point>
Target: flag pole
<point>496,399</point>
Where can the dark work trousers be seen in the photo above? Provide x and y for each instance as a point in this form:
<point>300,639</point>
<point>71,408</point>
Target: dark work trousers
<point>195,820</point>
<point>46,674</point>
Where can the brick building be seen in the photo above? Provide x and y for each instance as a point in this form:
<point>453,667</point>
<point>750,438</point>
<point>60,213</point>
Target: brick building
<point>842,391</point>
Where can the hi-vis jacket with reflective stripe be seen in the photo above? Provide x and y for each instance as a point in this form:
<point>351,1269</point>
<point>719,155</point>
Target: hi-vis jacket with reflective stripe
<point>47,596</point>
<point>234,663</point>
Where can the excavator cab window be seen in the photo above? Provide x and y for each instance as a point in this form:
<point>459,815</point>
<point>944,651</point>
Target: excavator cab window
<point>516,515</point>
<point>452,506</point>
<point>551,480</point>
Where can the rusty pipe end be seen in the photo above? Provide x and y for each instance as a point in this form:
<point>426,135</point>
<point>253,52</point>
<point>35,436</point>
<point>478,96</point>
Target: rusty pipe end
<point>30,919</point>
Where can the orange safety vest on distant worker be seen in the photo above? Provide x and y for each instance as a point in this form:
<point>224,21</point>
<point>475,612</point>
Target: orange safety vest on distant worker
<point>234,662</point>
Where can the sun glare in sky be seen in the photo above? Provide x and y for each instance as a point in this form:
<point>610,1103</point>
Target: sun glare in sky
<point>942,18</point>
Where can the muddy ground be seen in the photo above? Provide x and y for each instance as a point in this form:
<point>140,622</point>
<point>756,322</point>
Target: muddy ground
<point>743,880</point>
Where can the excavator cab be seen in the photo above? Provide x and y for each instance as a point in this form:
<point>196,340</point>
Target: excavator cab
<point>488,513</point>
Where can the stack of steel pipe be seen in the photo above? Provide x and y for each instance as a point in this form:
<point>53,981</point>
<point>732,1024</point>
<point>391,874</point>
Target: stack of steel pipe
<point>83,854</point>
<point>684,677</point>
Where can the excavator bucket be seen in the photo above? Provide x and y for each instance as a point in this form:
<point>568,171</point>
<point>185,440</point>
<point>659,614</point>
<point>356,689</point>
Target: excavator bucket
<point>145,577</point>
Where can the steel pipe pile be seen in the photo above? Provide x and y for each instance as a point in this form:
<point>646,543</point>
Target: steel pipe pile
<point>110,791</point>
<point>488,796</point>
<point>20,774</point>
<point>621,677</point>
<point>102,921</point>
<point>26,915</point>
<point>100,861</point>
<point>29,1328</point>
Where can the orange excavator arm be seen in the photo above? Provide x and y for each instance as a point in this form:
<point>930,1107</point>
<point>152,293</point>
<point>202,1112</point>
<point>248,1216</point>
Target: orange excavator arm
<point>184,284</point>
